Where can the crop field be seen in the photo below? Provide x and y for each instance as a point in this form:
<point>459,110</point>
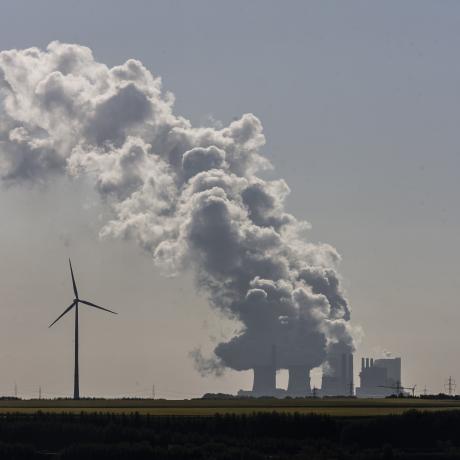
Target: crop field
<point>347,407</point>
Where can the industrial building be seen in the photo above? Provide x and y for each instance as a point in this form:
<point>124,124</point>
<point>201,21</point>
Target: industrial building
<point>299,381</point>
<point>264,383</point>
<point>379,377</point>
<point>336,381</point>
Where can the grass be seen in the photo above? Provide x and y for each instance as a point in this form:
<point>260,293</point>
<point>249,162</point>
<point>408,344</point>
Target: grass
<point>335,406</point>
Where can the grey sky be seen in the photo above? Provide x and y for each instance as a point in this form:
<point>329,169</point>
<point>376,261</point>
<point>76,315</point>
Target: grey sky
<point>359,103</point>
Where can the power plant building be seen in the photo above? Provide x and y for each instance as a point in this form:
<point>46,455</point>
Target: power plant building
<point>264,383</point>
<point>299,381</point>
<point>379,377</point>
<point>338,378</point>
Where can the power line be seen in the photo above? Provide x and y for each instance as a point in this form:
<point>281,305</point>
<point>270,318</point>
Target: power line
<point>351,389</point>
<point>450,386</point>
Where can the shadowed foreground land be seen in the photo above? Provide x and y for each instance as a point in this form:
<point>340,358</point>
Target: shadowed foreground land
<point>275,436</point>
<point>348,407</point>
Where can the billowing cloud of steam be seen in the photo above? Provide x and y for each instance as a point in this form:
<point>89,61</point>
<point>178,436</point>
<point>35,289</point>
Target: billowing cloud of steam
<point>190,196</point>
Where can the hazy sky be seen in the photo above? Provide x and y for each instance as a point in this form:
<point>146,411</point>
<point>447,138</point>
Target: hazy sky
<point>360,103</point>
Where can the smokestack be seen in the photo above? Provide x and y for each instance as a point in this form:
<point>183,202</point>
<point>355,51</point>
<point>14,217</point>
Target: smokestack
<point>350,370</point>
<point>372,362</point>
<point>362,363</point>
<point>343,376</point>
<point>299,381</point>
<point>367,362</point>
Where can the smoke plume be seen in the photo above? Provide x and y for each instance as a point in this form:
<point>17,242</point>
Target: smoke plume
<point>190,196</point>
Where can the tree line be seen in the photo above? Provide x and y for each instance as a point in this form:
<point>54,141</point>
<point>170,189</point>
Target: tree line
<point>274,436</point>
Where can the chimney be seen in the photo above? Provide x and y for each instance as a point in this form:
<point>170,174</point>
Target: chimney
<point>367,362</point>
<point>363,365</point>
<point>350,370</point>
<point>372,362</point>
<point>343,374</point>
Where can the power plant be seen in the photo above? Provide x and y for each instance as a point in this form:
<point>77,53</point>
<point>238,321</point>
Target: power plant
<point>265,377</point>
<point>378,378</point>
<point>338,375</point>
<point>299,381</point>
<point>264,381</point>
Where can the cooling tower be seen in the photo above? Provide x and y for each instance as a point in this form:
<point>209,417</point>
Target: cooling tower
<point>299,381</point>
<point>265,377</point>
<point>264,381</point>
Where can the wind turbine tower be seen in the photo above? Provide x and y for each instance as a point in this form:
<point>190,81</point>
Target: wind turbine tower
<point>74,304</point>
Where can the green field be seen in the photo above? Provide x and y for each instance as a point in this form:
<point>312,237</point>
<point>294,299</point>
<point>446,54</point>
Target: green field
<point>338,407</point>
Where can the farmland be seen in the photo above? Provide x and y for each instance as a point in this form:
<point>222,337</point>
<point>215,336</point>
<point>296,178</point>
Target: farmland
<point>231,429</point>
<point>348,407</point>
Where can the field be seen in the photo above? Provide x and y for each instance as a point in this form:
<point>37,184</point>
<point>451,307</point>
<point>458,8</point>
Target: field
<point>242,429</point>
<point>348,407</point>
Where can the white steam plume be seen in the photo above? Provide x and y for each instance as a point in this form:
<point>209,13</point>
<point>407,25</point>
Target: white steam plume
<point>190,196</point>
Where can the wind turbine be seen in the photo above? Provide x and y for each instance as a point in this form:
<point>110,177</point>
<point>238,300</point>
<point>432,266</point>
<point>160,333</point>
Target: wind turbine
<point>76,301</point>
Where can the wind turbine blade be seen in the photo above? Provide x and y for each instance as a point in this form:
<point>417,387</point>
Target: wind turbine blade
<point>65,311</point>
<point>97,306</point>
<point>73,281</point>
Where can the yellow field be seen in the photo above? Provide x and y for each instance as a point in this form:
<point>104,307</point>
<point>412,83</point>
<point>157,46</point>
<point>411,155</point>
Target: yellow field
<point>337,407</point>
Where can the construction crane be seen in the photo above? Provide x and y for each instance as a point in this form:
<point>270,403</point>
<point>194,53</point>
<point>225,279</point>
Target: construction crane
<point>399,389</point>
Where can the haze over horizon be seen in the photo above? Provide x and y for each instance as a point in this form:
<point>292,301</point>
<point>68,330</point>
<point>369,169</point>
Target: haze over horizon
<point>358,121</point>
